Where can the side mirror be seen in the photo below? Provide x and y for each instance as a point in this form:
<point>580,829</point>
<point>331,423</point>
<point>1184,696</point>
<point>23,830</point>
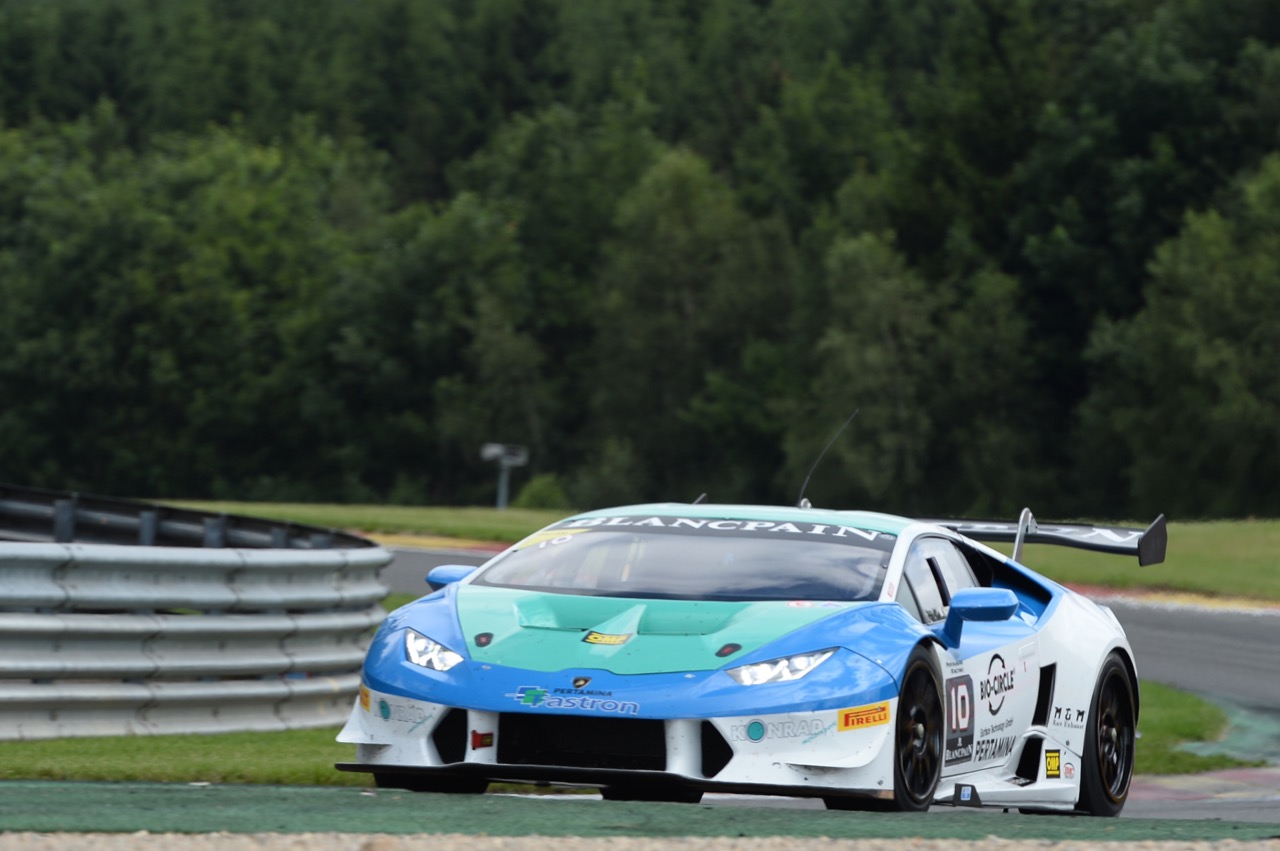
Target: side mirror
<point>446,574</point>
<point>977,604</point>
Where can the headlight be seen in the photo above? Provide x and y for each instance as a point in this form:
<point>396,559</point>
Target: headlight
<point>780,670</point>
<point>426,653</point>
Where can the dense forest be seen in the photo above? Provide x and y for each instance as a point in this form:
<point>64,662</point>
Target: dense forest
<point>323,250</point>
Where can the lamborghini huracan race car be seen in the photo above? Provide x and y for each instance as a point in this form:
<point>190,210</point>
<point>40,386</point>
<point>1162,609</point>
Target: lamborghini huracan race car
<point>662,651</point>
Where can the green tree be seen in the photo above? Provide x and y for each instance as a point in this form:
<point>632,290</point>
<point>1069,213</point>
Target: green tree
<point>823,133</point>
<point>410,90</point>
<point>1142,123</point>
<point>1188,390</point>
<point>558,175</point>
<point>687,283</point>
<point>873,358</point>
<point>151,298</point>
<point>983,459</point>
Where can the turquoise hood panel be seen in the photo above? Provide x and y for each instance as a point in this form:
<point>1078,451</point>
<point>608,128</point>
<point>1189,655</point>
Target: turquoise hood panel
<point>552,632</point>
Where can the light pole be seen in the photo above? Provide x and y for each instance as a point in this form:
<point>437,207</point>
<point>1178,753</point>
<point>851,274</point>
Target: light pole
<point>507,455</point>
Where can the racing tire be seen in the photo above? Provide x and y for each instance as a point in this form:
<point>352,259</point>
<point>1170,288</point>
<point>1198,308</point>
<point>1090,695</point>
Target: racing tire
<point>651,793</point>
<point>1109,742</point>
<point>421,783</point>
<point>917,734</point>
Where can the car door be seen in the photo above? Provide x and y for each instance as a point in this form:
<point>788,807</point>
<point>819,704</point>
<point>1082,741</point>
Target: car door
<point>990,681</point>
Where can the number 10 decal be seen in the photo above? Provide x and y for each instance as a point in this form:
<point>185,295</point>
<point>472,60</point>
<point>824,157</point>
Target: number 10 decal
<point>959,720</point>
<point>959,704</point>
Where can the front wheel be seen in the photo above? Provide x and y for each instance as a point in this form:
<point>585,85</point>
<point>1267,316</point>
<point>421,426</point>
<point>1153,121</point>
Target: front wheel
<point>917,756</point>
<point>1109,742</point>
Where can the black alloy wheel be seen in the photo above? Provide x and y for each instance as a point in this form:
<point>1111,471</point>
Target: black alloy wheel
<point>1109,742</point>
<point>918,735</point>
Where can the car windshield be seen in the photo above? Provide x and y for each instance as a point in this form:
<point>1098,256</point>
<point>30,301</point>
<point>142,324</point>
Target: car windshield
<point>698,559</point>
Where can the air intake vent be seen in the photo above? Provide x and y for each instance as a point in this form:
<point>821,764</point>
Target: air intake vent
<point>1045,697</point>
<point>716,752</point>
<point>450,736</point>
<point>577,742</point>
<point>1029,763</point>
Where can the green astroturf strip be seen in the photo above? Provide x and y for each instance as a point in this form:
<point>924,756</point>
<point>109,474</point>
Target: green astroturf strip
<point>129,807</point>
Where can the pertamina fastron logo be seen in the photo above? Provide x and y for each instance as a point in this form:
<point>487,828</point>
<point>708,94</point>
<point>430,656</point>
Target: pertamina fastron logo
<point>859,717</point>
<point>543,698</point>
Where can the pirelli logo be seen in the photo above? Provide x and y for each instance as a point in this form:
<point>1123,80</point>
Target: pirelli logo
<point>604,638</point>
<point>858,717</point>
<point>364,697</point>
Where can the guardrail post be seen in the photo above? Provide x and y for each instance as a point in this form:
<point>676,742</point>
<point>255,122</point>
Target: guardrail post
<point>148,523</point>
<point>215,531</point>
<point>64,520</point>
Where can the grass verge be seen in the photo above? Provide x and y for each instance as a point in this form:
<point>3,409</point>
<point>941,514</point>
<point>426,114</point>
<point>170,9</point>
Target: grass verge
<point>482,524</point>
<point>306,757</point>
<point>293,758</point>
<point>1171,718</point>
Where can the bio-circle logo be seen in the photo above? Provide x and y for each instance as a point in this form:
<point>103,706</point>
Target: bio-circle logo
<point>999,680</point>
<point>755,731</point>
<point>384,709</point>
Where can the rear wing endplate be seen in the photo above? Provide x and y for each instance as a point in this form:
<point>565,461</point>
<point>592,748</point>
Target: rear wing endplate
<point>1148,545</point>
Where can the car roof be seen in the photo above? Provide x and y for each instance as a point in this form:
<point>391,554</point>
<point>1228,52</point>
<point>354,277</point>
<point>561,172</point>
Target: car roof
<point>870,520</point>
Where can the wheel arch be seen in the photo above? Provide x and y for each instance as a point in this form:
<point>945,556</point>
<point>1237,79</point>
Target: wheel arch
<point>919,730</point>
<point>1131,671</point>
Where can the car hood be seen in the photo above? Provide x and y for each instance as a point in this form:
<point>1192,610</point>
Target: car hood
<point>552,632</point>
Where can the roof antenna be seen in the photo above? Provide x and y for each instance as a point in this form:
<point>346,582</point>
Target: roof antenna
<point>801,501</point>
<point>701,499</point>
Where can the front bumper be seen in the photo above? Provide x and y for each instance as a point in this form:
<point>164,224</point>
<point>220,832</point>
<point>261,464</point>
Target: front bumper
<point>843,751</point>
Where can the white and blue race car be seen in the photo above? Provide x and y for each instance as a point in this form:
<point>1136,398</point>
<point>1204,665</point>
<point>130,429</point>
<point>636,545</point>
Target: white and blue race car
<point>662,651</point>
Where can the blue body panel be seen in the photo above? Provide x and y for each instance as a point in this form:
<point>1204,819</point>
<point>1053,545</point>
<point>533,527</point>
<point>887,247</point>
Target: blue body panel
<point>874,641</point>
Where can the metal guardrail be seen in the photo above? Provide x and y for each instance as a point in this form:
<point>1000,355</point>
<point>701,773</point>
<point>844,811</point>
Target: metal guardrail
<point>34,514</point>
<point>171,627</point>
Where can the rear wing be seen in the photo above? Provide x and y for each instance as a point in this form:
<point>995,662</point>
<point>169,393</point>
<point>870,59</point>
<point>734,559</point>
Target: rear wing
<point>1148,545</point>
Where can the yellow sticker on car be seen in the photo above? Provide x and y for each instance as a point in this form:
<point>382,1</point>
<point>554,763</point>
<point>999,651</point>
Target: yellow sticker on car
<point>594,637</point>
<point>547,537</point>
<point>858,717</point>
